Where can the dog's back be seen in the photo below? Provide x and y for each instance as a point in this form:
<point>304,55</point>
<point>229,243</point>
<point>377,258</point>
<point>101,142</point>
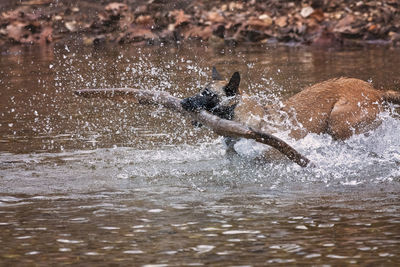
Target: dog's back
<point>339,107</point>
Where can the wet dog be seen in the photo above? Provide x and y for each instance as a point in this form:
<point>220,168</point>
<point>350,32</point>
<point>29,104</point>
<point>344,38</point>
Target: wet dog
<point>340,107</point>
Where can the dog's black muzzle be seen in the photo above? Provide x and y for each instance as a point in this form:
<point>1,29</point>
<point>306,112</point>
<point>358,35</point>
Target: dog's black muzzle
<point>200,101</point>
<point>190,104</point>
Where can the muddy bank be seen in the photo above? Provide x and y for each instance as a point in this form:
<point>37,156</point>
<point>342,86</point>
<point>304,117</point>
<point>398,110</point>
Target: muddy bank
<point>314,22</point>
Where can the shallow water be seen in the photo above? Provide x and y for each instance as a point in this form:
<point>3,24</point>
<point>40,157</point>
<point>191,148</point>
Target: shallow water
<point>96,182</point>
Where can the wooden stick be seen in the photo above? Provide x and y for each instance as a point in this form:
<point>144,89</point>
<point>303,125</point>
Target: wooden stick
<point>218,125</point>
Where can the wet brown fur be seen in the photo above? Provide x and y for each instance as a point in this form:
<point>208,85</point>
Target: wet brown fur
<point>340,107</point>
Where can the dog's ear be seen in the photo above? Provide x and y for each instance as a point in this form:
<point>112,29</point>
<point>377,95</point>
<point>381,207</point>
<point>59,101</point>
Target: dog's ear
<point>215,74</point>
<point>232,87</point>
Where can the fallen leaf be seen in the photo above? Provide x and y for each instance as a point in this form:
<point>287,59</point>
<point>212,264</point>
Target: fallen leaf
<point>15,30</point>
<point>72,26</point>
<point>265,18</point>
<point>145,20</point>
<point>281,21</point>
<point>57,18</point>
<point>318,15</point>
<point>372,27</point>
<point>215,17</point>
<point>235,5</point>
<point>11,15</point>
<point>116,7</point>
<point>259,24</point>
<point>306,11</point>
<point>180,17</point>
<point>141,9</point>
<point>344,25</point>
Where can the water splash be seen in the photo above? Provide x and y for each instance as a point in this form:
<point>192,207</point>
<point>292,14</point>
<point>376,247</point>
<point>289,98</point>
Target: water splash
<point>149,144</point>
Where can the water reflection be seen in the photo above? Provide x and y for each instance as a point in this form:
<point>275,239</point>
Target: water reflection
<point>90,182</point>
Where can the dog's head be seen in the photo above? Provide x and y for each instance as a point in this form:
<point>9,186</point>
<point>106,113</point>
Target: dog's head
<point>218,97</point>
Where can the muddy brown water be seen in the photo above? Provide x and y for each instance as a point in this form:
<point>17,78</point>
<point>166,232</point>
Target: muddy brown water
<point>89,182</point>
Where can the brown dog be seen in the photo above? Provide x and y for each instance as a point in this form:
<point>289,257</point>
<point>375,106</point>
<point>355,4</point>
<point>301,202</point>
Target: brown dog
<point>340,107</point>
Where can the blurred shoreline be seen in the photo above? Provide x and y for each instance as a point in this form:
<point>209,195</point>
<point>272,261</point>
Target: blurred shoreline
<point>321,23</point>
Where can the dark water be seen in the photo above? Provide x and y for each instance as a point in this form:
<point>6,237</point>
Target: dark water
<point>95,182</point>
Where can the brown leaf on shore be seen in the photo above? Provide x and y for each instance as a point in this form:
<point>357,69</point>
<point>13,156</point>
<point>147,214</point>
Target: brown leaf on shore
<point>281,21</point>
<point>344,25</point>
<point>306,11</point>
<point>16,30</point>
<point>116,8</point>
<point>141,10</point>
<point>318,15</point>
<point>113,13</point>
<point>215,17</point>
<point>12,14</point>
<point>145,20</point>
<point>345,21</point>
<point>180,17</point>
<point>72,26</point>
<point>259,23</point>
<point>115,18</point>
<point>372,28</point>
<point>235,6</point>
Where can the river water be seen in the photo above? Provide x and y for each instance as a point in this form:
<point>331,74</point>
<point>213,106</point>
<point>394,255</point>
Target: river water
<point>93,182</point>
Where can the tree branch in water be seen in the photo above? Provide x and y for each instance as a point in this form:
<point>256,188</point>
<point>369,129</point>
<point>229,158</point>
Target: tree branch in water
<point>218,125</point>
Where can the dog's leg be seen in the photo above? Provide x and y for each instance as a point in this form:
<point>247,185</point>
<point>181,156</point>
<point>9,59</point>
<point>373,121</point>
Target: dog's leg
<point>350,117</point>
<point>230,146</point>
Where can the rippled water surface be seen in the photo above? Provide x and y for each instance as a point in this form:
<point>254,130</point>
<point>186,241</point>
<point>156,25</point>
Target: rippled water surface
<point>104,183</point>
